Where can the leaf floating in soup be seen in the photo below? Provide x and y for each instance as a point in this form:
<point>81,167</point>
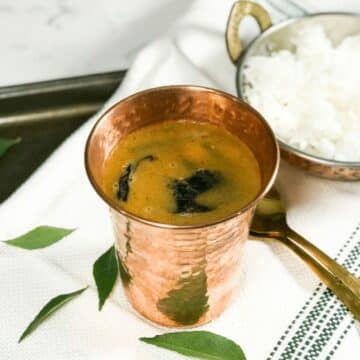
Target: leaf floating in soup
<point>126,176</point>
<point>186,190</point>
<point>203,180</point>
<point>182,147</point>
<point>124,186</point>
<point>148,158</point>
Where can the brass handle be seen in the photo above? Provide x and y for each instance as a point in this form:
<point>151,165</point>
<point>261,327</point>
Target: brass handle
<point>344,285</point>
<point>238,11</point>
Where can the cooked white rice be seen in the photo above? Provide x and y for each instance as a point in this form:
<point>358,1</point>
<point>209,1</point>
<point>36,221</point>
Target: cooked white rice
<point>311,97</point>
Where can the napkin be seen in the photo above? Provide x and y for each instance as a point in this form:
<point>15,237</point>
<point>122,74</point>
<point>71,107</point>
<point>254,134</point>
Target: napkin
<point>281,310</point>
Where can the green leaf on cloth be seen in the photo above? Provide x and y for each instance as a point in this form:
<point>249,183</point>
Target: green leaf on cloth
<point>105,271</point>
<point>199,344</point>
<point>5,144</point>
<point>52,306</point>
<point>40,237</point>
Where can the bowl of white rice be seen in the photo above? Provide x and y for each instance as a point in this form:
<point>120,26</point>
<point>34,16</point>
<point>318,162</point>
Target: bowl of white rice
<point>303,76</point>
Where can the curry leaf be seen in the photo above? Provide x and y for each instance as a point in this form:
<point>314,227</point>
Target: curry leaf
<point>52,306</point>
<point>186,190</point>
<point>145,158</point>
<point>40,237</point>
<point>124,184</point>
<point>126,177</point>
<point>199,344</point>
<point>5,144</point>
<point>105,273</point>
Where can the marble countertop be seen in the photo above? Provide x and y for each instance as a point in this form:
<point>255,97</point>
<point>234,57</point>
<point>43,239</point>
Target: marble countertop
<point>48,39</point>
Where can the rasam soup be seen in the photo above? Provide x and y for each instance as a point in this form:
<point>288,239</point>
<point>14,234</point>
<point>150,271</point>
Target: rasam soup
<point>181,172</point>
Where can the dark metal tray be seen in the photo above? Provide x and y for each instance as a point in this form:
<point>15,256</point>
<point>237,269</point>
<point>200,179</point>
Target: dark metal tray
<point>43,114</point>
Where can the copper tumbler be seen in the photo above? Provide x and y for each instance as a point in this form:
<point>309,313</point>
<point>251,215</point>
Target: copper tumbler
<point>180,276</point>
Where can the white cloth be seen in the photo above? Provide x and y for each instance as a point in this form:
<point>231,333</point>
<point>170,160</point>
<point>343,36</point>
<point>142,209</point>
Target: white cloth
<point>280,307</point>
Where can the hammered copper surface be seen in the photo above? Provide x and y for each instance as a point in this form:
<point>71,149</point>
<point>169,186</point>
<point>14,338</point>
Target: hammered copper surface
<point>278,37</point>
<point>180,275</point>
<point>330,170</point>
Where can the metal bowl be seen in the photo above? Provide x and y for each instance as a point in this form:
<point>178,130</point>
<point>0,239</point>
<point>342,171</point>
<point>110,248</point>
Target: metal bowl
<point>278,37</point>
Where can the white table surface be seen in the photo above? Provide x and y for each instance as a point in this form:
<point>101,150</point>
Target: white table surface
<point>48,39</point>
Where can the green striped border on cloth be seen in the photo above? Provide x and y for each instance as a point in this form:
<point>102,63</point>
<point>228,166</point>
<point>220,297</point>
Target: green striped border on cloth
<point>322,323</point>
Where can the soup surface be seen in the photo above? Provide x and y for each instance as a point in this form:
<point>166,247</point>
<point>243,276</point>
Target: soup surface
<point>181,172</point>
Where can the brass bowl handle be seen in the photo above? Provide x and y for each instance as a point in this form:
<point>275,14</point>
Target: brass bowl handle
<point>238,11</point>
